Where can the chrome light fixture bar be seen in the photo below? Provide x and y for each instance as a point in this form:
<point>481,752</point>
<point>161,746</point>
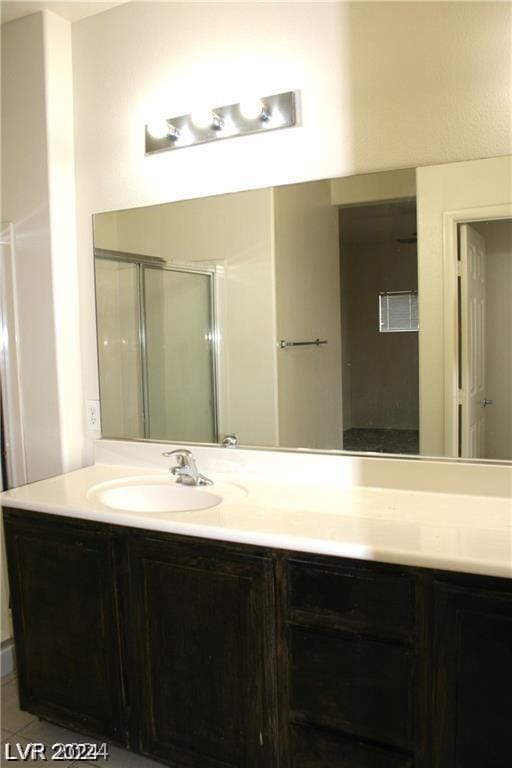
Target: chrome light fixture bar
<point>269,113</point>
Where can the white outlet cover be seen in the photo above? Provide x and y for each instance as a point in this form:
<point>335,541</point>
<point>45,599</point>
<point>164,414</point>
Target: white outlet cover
<point>93,415</point>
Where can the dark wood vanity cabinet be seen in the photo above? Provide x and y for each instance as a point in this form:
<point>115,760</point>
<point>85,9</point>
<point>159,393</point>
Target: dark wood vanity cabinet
<point>212,655</point>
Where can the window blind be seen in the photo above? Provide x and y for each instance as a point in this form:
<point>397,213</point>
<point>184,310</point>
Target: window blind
<point>398,311</point>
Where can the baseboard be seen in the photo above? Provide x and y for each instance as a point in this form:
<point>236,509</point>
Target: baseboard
<point>7,658</point>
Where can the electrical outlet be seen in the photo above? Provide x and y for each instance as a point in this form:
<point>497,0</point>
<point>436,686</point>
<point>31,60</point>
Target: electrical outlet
<point>92,410</point>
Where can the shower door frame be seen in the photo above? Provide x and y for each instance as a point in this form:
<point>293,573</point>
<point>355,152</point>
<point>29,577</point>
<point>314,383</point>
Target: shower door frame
<point>144,262</point>
<point>15,469</point>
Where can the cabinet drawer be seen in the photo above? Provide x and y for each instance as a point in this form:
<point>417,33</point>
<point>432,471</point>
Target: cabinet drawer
<point>355,598</point>
<point>313,748</point>
<point>364,687</point>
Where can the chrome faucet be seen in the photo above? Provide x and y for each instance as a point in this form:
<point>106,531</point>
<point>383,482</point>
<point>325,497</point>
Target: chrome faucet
<point>185,471</point>
<point>230,440</point>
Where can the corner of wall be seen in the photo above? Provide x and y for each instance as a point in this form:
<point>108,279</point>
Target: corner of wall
<point>61,195</point>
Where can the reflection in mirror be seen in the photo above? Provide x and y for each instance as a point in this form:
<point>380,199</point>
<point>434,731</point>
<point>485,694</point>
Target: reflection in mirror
<point>156,351</point>
<point>379,288</point>
<point>289,317</point>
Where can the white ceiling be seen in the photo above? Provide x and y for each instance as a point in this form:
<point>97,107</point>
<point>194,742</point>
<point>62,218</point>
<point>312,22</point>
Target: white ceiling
<point>73,11</point>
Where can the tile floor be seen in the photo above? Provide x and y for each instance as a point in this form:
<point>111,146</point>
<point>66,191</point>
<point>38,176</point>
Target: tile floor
<point>23,728</point>
<point>381,440</point>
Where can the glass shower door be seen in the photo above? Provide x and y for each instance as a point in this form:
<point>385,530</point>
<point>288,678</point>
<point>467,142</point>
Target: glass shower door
<point>119,351</point>
<point>178,340</point>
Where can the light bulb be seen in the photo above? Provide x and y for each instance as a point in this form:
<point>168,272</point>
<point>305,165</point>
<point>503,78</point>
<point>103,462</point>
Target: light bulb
<point>185,137</point>
<point>254,109</point>
<point>278,119</point>
<point>206,118</point>
<point>160,128</point>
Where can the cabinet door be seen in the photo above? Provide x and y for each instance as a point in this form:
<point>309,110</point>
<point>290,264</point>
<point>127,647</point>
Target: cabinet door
<point>315,748</point>
<point>205,642</point>
<point>472,696</point>
<point>65,611</point>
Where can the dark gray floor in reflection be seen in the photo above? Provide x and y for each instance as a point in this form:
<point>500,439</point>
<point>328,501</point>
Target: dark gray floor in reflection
<point>381,440</point>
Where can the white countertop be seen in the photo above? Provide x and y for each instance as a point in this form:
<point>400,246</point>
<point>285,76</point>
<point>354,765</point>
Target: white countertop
<point>448,531</point>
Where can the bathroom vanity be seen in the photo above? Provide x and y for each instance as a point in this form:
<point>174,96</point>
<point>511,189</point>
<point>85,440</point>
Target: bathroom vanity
<point>209,653</point>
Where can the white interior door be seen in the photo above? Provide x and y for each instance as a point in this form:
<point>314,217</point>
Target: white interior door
<point>472,340</point>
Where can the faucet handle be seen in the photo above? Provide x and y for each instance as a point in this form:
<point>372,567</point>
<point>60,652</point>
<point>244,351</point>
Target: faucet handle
<point>181,455</point>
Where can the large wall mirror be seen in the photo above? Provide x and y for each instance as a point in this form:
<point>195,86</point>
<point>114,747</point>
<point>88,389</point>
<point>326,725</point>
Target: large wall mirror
<point>350,314</point>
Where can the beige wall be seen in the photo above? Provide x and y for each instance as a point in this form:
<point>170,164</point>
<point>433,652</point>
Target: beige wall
<point>366,188</point>
<point>382,367</point>
<point>441,189</point>
<point>233,232</point>
<point>498,341</point>
<point>308,307</point>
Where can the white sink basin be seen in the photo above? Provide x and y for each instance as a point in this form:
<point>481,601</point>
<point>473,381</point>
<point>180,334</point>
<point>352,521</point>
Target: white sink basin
<point>149,495</point>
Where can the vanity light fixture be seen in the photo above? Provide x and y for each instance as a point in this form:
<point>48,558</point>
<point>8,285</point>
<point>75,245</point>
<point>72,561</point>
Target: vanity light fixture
<point>268,113</point>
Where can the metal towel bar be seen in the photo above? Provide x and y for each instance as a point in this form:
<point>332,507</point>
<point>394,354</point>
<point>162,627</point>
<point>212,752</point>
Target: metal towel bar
<point>283,344</point>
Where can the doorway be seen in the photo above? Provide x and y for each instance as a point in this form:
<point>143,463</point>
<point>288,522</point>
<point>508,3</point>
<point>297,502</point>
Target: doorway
<point>379,300</point>
<point>485,339</point>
